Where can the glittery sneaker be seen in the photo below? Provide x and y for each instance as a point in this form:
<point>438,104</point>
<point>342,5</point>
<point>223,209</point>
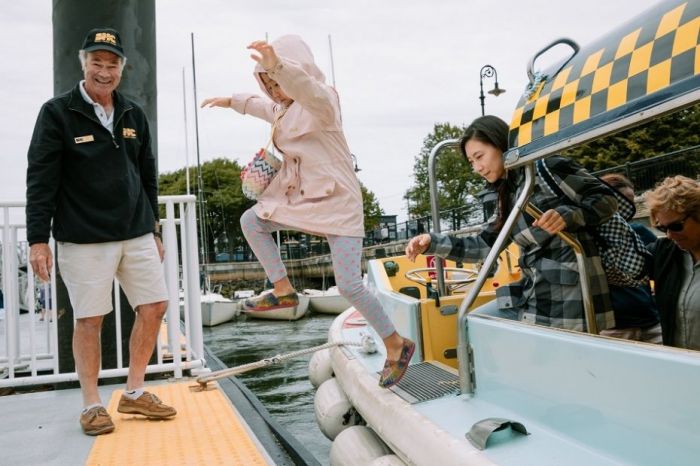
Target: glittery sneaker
<point>269,301</point>
<point>147,405</point>
<point>394,370</point>
<point>96,421</point>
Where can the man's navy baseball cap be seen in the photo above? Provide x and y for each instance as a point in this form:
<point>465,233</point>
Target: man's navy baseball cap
<point>104,39</point>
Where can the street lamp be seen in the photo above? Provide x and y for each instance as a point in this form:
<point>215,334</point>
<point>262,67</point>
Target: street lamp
<point>488,71</point>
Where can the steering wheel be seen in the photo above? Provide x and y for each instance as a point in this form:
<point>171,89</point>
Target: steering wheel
<point>414,276</point>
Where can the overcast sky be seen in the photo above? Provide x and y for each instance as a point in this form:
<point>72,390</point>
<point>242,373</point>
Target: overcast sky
<point>400,67</point>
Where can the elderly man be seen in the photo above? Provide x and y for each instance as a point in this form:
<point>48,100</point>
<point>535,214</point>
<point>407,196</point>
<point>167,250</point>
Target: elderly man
<point>92,180</point>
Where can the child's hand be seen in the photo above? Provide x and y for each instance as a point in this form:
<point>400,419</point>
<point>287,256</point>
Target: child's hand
<point>267,58</point>
<point>417,245</point>
<point>224,102</point>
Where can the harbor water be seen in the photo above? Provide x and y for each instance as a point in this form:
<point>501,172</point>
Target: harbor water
<point>284,389</point>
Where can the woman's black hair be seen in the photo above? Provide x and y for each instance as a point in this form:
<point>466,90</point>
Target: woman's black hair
<point>491,130</point>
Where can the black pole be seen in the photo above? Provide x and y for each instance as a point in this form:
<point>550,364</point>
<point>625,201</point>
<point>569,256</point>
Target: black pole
<point>481,93</point>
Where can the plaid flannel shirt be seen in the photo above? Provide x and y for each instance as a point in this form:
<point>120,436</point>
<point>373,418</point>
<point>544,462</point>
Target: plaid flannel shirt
<point>549,292</point>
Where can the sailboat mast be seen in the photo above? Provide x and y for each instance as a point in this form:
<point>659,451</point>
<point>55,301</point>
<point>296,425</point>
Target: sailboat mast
<point>200,184</point>
<point>330,49</point>
<point>187,142</point>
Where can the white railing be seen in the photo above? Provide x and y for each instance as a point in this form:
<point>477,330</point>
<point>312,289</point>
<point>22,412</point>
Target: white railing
<point>29,351</point>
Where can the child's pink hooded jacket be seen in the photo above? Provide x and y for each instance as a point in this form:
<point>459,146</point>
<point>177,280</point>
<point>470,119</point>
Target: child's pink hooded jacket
<point>316,189</point>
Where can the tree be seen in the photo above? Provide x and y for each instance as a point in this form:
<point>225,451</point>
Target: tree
<point>457,183</point>
<point>660,136</point>
<point>224,202</point>
<point>371,208</point>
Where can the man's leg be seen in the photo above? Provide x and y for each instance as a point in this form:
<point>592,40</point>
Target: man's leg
<point>87,356</point>
<point>143,340</point>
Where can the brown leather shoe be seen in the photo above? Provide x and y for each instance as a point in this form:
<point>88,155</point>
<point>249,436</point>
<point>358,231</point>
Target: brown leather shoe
<point>96,421</point>
<point>147,405</point>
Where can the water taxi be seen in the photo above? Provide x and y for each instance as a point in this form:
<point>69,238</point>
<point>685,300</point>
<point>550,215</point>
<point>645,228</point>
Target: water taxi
<point>483,390</point>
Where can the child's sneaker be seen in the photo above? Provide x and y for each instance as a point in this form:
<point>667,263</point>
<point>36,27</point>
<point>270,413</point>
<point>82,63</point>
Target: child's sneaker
<point>269,301</point>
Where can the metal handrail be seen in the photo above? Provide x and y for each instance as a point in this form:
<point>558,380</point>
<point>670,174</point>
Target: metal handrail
<point>434,207</point>
<point>191,358</point>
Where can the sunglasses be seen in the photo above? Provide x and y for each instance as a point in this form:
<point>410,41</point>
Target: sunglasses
<point>676,226</point>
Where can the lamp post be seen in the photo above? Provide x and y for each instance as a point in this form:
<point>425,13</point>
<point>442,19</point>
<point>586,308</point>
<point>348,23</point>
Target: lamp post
<point>488,71</point>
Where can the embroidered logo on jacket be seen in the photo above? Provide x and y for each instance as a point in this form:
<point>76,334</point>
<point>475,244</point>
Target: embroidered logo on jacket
<point>129,133</point>
<point>82,139</point>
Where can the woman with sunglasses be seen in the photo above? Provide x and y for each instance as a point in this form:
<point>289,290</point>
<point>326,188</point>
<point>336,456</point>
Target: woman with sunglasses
<point>674,206</point>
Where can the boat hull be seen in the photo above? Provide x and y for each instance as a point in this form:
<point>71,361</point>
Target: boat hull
<point>327,302</point>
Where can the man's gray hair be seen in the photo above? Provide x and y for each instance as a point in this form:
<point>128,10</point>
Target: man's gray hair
<point>82,56</point>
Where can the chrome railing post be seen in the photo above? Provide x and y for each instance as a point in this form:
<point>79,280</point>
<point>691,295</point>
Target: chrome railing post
<point>466,382</point>
<point>434,203</point>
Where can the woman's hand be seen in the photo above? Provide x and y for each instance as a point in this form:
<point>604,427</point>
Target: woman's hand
<point>551,221</point>
<point>417,245</point>
<point>267,58</point>
<point>224,102</point>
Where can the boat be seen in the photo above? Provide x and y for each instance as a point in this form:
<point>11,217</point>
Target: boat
<point>217,309</point>
<point>326,302</point>
<point>40,400</point>
<point>282,313</point>
<point>484,390</point>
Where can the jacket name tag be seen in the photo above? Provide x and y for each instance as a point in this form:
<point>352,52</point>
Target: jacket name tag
<point>82,139</point>
<point>129,133</point>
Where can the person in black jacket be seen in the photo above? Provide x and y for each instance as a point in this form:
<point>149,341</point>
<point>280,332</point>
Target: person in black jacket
<point>636,313</point>
<point>92,181</point>
<point>674,206</point>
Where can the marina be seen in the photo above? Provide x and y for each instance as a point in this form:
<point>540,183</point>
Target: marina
<point>301,385</point>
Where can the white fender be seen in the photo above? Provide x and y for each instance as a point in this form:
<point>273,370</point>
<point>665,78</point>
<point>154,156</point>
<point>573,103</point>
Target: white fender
<point>388,460</point>
<point>333,410</point>
<point>320,368</point>
<point>357,446</point>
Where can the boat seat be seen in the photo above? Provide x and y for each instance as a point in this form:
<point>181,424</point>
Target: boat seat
<point>412,291</point>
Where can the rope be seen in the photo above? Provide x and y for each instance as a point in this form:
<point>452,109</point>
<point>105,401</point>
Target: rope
<point>277,359</point>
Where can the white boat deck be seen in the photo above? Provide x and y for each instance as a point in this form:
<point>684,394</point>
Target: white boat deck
<point>597,408</point>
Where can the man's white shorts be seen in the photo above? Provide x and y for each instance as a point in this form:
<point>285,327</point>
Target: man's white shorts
<point>88,270</point>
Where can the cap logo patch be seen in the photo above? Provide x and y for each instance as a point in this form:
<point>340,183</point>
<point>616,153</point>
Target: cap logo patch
<point>106,37</point>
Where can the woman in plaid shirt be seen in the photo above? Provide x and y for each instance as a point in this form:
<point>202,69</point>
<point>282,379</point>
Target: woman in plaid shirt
<point>549,292</point>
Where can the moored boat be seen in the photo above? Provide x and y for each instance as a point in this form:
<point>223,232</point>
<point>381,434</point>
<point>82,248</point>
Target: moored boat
<point>329,301</point>
<point>485,390</point>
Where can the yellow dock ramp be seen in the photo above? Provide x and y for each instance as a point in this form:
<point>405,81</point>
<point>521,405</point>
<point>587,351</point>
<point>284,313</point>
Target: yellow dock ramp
<point>207,430</point>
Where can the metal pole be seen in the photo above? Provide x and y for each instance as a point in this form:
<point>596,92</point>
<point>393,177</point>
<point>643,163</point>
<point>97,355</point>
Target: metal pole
<point>187,142</point>
<point>434,208</point>
<point>200,184</point>
<point>330,48</point>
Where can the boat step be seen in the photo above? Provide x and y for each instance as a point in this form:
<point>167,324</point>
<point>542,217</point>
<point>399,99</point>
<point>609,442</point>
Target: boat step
<point>426,381</point>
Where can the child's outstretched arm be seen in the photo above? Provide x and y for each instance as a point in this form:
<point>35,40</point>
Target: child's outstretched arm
<point>246,104</point>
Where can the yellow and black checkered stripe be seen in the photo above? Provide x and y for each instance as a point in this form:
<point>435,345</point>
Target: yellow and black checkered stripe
<point>645,58</point>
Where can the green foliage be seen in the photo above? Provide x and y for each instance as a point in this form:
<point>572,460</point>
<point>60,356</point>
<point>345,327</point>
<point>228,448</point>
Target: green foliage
<point>660,136</point>
<point>455,179</point>
<point>224,202</point>
<point>371,208</point>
